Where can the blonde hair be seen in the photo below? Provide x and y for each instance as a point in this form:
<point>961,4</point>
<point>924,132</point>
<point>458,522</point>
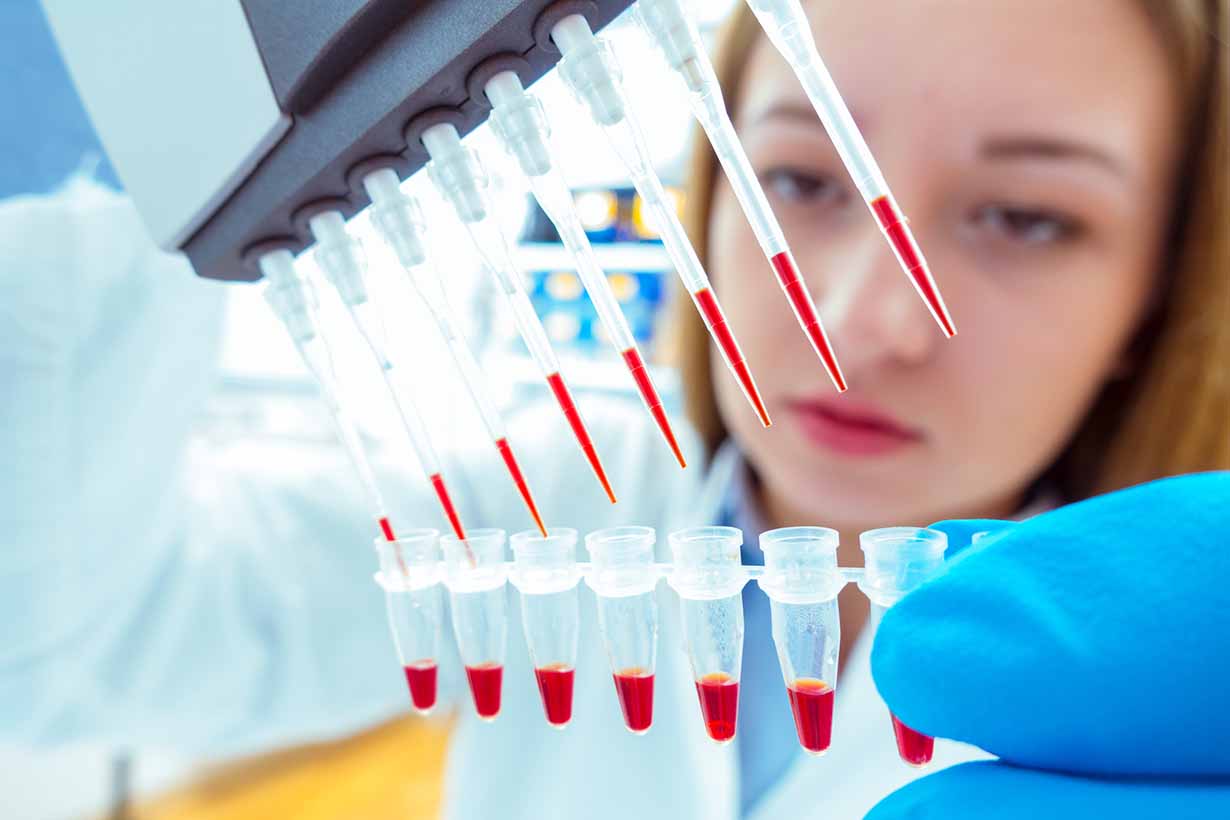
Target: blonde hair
<point>1172,414</point>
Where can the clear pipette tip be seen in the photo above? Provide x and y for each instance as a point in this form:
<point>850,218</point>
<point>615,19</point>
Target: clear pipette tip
<point>897,229</point>
<point>640,374</point>
<point>514,469</point>
<point>562,395</point>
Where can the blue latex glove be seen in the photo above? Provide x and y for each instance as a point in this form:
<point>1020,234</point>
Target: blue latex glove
<point>1089,648</point>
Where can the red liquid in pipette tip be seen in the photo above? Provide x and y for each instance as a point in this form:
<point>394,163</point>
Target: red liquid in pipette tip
<point>719,704</point>
<point>805,310</point>
<point>635,689</point>
<point>897,229</point>
<point>486,680</point>
<point>811,700</point>
<point>421,678</point>
<point>640,374</point>
<point>914,747</point>
<point>387,528</point>
<point>446,501</point>
<point>556,382</point>
<point>719,328</point>
<point>555,687</point>
<point>514,469</point>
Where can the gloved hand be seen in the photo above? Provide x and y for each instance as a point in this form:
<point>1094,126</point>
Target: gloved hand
<point>1089,648</point>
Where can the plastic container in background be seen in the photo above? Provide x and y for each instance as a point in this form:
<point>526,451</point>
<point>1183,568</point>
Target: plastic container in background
<point>802,581</point>
<point>898,560</point>
<point>545,573</point>
<point>623,579</point>
<point>708,577</point>
<point>410,576</point>
<point>476,575</point>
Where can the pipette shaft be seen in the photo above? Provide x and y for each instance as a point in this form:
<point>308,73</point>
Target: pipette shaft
<point>340,257</point>
<point>460,178</point>
<point>589,68</point>
<point>673,32</point>
<point>397,218</point>
<point>518,119</point>
<point>787,26</point>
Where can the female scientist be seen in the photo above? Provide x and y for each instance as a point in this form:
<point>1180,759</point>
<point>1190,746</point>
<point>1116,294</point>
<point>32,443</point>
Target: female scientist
<point>1066,168</point>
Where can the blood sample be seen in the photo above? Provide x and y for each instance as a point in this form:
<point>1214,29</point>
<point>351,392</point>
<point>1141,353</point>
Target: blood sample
<point>805,309</point>
<point>914,747</point>
<point>514,469</point>
<point>555,687</point>
<point>564,398</point>
<point>719,704</point>
<point>446,501</point>
<point>486,680</point>
<point>896,229</point>
<point>421,678</point>
<point>720,329</point>
<point>811,700</point>
<point>387,528</point>
<point>635,689</point>
<point>640,374</point>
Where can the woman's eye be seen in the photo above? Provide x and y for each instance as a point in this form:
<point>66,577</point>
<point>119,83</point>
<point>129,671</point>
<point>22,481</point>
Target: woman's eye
<point>792,185</point>
<point>1027,226</point>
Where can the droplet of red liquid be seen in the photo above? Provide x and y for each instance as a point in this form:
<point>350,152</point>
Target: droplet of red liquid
<point>719,328</point>
<point>555,687</point>
<point>896,228</point>
<point>486,680</point>
<point>635,689</point>
<point>387,528</point>
<point>446,501</point>
<point>640,374</point>
<point>514,469</point>
<point>805,311</point>
<point>914,747</point>
<point>556,382</point>
<point>421,678</point>
<point>811,700</point>
<point>719,704</point>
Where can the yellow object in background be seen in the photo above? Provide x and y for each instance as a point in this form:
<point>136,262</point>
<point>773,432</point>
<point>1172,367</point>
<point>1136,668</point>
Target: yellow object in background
<point>392,772</point>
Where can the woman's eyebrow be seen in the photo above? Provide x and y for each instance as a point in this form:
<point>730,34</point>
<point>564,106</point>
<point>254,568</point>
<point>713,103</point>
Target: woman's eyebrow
<point>1056,148</point>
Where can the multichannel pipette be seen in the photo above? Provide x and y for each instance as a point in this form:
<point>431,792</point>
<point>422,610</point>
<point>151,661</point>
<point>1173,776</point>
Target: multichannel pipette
<point>294,301</point>
<point>589,68</point>
<point>459,176</point>
<point>340,257</point>
<point>518,119</point>
<point>398,219</point>
<point>787,26</point>
<point>668,25</point>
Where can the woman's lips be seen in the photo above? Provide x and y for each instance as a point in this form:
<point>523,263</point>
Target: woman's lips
<point>848,428</point>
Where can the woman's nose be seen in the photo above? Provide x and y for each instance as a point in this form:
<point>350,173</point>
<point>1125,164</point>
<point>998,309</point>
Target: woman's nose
<point>872,311</point>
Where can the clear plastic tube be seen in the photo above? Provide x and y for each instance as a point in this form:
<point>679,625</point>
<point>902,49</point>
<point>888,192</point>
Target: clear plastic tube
<point>589,68</point>
<point>623,579</point>
<point>897,561</point>
<point>460,178</point>
<point>476,578</point>
<point>409,568</point>
<point>545,573</point>
<point>787,26</point>
<point>672,31</point>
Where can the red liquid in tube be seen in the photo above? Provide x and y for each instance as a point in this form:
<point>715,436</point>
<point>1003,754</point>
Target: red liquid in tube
<point>640,374</point>
<point>805,310</point>
<point>896,228</point>
<point>514,469</point>
<point>811,700</point>
<point>914,747</point>
<point>719,704</point>
<point>446,501</point>
<point>421,678</point>
<point>564,398</point>
<point>635,689</point>
<point>387,529</point>
<point>486,680</point>
<point>719,328</point>
<point>555,686</point>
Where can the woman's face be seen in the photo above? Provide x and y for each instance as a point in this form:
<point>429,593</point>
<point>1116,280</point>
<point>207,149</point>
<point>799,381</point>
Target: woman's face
<point>1031,143</point>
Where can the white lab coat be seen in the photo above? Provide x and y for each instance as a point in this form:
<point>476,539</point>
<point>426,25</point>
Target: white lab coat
<point>219,598</point>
